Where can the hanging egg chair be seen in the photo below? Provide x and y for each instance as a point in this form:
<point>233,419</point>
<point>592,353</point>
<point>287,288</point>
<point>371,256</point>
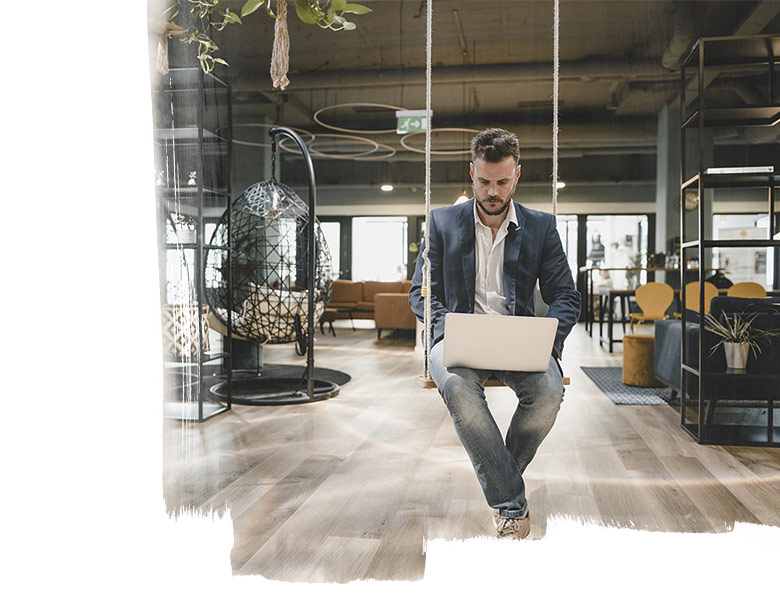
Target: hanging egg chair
<point>280,277</point>
<point>268,241</point>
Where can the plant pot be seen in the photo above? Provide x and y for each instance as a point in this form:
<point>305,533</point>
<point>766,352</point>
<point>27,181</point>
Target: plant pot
<point>736,354</point>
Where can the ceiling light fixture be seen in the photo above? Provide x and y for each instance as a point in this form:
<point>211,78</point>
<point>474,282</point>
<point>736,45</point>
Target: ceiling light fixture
<point>356,106</point>
<point>386,187</point>
<point>560,185</point>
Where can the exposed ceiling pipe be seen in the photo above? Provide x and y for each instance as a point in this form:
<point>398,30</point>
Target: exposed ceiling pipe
<point>526,155</point>
<point>684,28</point>
<point>625,133</point>
<point>761,15</point>
<point>585,70</point>
<point>683,35</point>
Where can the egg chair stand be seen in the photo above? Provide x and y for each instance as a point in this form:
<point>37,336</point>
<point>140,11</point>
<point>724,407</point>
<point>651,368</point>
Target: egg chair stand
<point>271,308</point>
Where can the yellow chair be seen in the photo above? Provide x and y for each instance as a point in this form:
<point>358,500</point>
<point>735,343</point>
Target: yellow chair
<point>692,296</point>
<point>747,289</point>
<point>654,298</point>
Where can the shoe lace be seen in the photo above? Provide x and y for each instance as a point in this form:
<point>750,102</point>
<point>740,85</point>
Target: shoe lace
<point>506,525</point>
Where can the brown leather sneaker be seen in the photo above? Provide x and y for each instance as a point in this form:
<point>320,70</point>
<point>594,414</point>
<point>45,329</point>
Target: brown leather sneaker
<point>517,528</point>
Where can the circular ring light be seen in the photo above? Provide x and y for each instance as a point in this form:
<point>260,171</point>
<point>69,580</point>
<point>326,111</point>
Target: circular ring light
<point>435,130</point>
<point>354,139</point>
<point>267,126</point>
<point>355,104</point>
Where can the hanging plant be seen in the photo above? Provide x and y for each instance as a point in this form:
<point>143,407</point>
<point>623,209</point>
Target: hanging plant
<point>329,15</point>
<point>213,14</point>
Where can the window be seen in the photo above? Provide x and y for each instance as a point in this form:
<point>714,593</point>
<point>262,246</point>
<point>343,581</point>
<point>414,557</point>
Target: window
<point>379,248</point>
<point>567,230</point>
<point>618,241</point>
<point>332,232</point>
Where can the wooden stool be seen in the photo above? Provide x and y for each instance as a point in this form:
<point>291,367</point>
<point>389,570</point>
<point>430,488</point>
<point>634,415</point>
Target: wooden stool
<point>638,360</point>
<point>328,317</point>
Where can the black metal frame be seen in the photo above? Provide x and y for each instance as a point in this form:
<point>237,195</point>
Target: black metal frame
<point>255,388</point>
<point>700,117</point>
<point>199,247</point>
<point>274,133</point>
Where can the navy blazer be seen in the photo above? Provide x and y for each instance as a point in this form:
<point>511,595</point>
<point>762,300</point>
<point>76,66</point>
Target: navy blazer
<point>532,251</point>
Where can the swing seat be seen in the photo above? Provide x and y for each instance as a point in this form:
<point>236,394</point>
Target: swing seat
<point>492,382</point>
<point>421,380</point>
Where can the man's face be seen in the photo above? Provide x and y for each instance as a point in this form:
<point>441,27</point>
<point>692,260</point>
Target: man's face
<point>494,183</point>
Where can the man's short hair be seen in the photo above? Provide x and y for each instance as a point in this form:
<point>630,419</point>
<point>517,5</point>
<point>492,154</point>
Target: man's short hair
<point>494,145</point>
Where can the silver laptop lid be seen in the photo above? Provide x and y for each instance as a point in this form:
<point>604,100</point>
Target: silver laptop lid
<point>498,342</point>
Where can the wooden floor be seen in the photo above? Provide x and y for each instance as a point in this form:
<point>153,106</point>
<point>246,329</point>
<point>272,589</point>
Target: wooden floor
<point>349,488</point>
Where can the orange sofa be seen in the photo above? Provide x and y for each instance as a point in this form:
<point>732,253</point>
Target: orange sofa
<point>386,302</point>
<point>392,311</point>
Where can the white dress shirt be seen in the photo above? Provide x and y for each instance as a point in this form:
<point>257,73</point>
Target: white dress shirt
<point>489,297</point>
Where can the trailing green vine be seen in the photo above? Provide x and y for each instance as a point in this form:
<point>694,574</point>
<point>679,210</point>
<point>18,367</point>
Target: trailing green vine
<point>213,14</point>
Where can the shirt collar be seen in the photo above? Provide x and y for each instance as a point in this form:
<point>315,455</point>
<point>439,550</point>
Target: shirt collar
<point>511,216</point>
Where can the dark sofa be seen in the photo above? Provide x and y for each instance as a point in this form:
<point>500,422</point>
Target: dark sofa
<point>668,336</point>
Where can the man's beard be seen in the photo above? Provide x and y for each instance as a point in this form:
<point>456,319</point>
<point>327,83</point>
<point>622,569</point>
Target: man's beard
<point>496,212</point>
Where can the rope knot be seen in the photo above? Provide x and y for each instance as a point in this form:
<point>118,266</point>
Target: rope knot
<point>280,57</point>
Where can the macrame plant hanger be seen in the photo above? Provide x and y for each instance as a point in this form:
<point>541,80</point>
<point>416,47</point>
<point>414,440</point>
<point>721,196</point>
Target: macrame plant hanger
<point>425,380</point>
<point>280,55</point>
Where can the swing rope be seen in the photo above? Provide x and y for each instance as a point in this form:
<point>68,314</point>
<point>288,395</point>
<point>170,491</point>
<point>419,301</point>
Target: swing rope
<point>429,118</point>
<point>556,27</point>
<point>426,380</point>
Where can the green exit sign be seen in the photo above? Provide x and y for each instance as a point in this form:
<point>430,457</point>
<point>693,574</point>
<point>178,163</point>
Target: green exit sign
<point>411,121</point>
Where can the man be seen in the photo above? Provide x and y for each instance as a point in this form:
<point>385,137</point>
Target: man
<point>486,256</point>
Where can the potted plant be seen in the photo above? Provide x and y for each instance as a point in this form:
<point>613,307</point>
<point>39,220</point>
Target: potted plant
<point>738,337</point>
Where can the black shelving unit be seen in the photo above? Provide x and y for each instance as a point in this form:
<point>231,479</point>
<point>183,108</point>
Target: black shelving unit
<point>192,141</point>
<point>752,62</point>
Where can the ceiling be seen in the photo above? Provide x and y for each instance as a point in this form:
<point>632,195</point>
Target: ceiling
<point>492,66</point>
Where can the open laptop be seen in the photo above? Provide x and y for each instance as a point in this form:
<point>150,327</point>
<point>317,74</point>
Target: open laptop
<point>498,342</point>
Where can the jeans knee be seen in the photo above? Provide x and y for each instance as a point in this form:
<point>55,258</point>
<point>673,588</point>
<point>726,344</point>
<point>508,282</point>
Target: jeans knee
<point>545,393</point>
<point>553,400</point>
<point>461,397</point>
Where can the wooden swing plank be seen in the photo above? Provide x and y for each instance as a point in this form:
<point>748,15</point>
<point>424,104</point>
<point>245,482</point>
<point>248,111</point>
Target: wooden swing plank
<point>492,382</point>
<point>423,382</point>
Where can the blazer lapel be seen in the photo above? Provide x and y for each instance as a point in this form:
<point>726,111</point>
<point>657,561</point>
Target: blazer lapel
<point>466,227</point>
<point>512,244</point>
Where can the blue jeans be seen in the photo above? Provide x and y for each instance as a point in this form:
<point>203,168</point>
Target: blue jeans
<point>499,463</point>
